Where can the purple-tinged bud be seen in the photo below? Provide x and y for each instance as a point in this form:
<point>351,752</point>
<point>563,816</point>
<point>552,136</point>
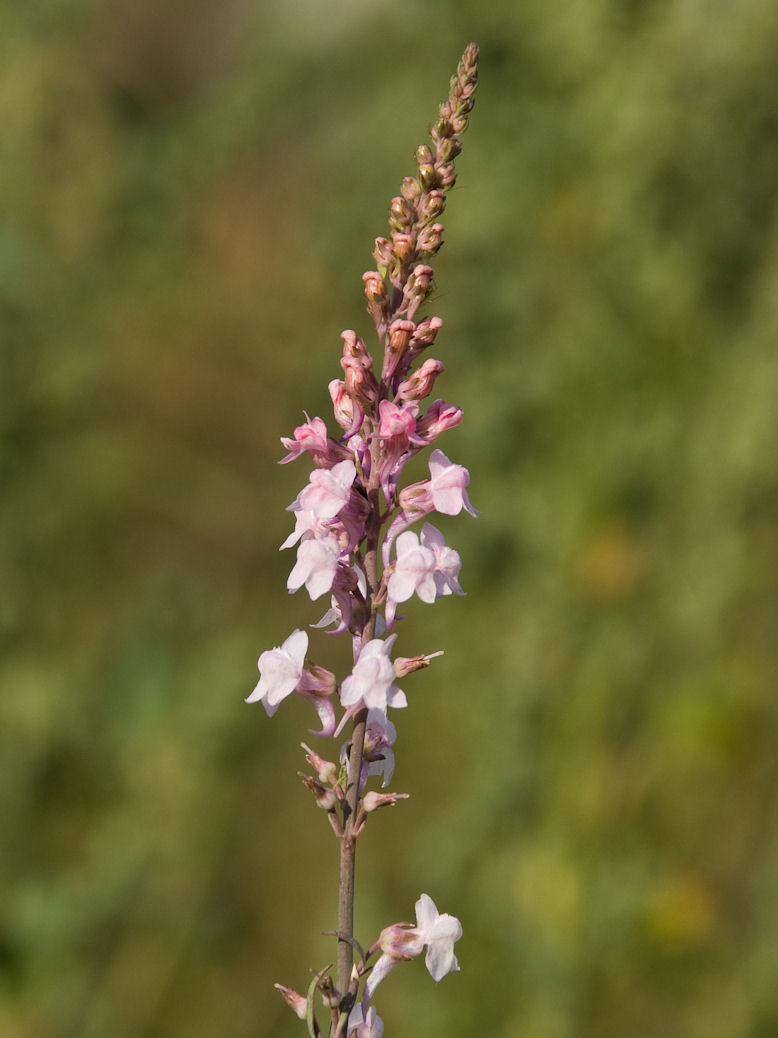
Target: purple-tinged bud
<point>317,681</point>
<point>430,238</point>
<point>447,174</point>
<point>326,770</point>
<point>401,941</point>
<point>298,1004</point>
<point>411,189</point>
<point>419,385</point>
<point>407,665</point>
<point>383,253</point>
<point>372,800</point>
<point>375,287</point>
<point>425,333</point>
<point>400,214</point>
<point>326,798</point>
<point>439,418</point>
<point>434,205</point>
<point>402,246</point>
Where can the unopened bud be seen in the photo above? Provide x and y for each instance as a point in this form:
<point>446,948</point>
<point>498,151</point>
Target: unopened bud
<point>430,238</point>
<point>424,156</point>
<point>372,801</point>
<point>411,189</point>
<point>446,174</point>
<point>400,333</point>
<point>325,769</point>
<point>401,941</point>
<point>434,205</point>
<point>326,798</point>
<point>375,288</point>
<point>402,246</point>
<point>425,333</point>
<point>428,177</point>
<point>343,405</point>
<point>383,253</point>
<point>407,665</point>
<point>419,385</point>
<point>449,149</point>
<point>400,214</point>
<point>298,1004</point>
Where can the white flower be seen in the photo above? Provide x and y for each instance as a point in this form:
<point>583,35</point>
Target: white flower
<point>328,490</point>
<point>372,680</point>
<point>439,933</point>
<point>280,670</point>
<point>317,561</point>
<point>361,1025</point>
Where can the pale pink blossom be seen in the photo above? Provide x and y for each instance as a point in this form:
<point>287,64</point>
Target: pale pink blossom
<point>280,671</point>
<point>317,563</point>
<point>439,933</point>
<point>447,561</point>
<point>447,485</point>
<point>364,1025</point>
<point>371,683</point>
<point>312,436</point>
<point>328,490</point>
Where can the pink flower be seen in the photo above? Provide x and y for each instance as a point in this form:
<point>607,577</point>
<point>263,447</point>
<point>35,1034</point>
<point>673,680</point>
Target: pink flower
<point>371,683</point>
<point>364,1025</point>
<point>439,933</point>
<point>447,561</point>
<point>280,671</point>
<point>317,563</point>
<point>413,570</point>
<point>328,491</point>
<point>447,485</point>
<point>312,436</point>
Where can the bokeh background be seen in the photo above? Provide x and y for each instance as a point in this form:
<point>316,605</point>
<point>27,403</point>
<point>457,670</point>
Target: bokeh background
<point>190,191</point>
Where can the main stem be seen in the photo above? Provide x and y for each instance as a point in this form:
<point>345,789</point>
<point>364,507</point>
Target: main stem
<point>348,842</point>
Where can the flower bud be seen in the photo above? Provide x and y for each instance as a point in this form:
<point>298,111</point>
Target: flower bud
<point>342,403</point>
<point>375,288</point>
<point>401,941</point>
<point>449,149</point>
<point>446,174</point>
<point>440,417</point>
<point>430,238</point>
<point>402,246</point>
<point>325,769</point>
<point>425,333</point>
<point>298,1004</point>
<point>428,177</point>
<point>424,156</point>
<point>411,189</point>
<point>434,205</point>
<point>372,801</point>
<point>419,385</point>
<point>383,253</point>
<point>326,798</point>
<point>407,665</point>
<point>400,214</point>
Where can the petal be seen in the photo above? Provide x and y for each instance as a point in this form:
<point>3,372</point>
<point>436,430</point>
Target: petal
<point>440,959</point>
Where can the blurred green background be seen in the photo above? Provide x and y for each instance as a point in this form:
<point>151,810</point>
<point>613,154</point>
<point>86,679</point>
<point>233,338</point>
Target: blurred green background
<point>190,192</point>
